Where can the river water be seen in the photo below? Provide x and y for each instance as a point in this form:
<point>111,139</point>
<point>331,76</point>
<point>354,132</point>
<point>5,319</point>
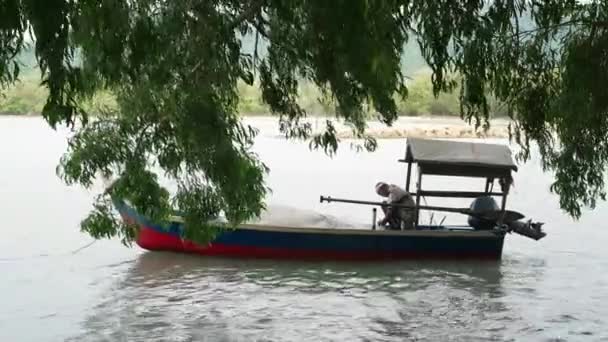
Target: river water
<point>53,289</point>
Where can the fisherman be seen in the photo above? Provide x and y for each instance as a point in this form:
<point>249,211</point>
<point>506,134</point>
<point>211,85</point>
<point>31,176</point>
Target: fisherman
<point>395,216</point>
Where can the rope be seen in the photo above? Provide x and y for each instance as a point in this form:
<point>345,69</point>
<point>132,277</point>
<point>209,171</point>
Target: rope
<point>84,247</point>
<point>76,251</point>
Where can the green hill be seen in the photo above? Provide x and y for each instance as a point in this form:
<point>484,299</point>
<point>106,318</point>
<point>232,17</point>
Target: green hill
<point>27,97</point>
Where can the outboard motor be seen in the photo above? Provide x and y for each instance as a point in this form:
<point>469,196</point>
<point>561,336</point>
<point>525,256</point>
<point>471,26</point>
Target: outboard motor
<point>482,204</point>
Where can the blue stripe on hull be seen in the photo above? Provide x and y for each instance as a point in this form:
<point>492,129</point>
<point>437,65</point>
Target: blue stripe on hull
<point>362,243</point>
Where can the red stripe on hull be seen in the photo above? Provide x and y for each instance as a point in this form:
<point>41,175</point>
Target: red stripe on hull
<point>151,239</point>
<point>156,241</point>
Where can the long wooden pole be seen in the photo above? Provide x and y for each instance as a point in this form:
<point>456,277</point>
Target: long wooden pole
<point>329,199</point>
<point>493,215</point>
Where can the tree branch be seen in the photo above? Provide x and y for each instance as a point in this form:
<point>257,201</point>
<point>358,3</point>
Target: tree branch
<point>247,14</point>
<point>260,29</point>
<point>594,24</point>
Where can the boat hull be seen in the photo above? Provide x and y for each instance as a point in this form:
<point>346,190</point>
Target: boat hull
<point>253,241</point>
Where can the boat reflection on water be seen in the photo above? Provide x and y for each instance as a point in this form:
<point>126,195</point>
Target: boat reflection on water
<point>192,298</point>
<point>156,268</point>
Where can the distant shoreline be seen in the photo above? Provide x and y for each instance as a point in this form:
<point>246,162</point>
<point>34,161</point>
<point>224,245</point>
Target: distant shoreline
<point>25,115</point>
<point>448,127</point>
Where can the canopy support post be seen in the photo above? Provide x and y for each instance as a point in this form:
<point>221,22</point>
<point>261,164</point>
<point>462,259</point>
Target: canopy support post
<point>409,175</point>
<point>418,189</point>
<point>506,184</point>
<point>502,209</point>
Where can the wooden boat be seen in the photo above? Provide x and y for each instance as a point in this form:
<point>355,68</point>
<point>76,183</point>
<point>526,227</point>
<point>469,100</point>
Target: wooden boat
<point>435,157</point>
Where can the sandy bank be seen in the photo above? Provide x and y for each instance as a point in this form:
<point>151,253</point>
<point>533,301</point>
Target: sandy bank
<point>417,127</point>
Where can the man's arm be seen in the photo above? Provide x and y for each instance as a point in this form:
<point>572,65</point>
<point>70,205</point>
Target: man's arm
<point>387,212</point>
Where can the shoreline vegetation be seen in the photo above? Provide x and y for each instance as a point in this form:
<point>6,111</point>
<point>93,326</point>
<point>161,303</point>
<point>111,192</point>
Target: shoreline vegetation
<point>421,114</point>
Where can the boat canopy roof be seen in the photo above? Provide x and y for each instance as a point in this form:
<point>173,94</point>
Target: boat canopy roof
<point>456,158</point>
